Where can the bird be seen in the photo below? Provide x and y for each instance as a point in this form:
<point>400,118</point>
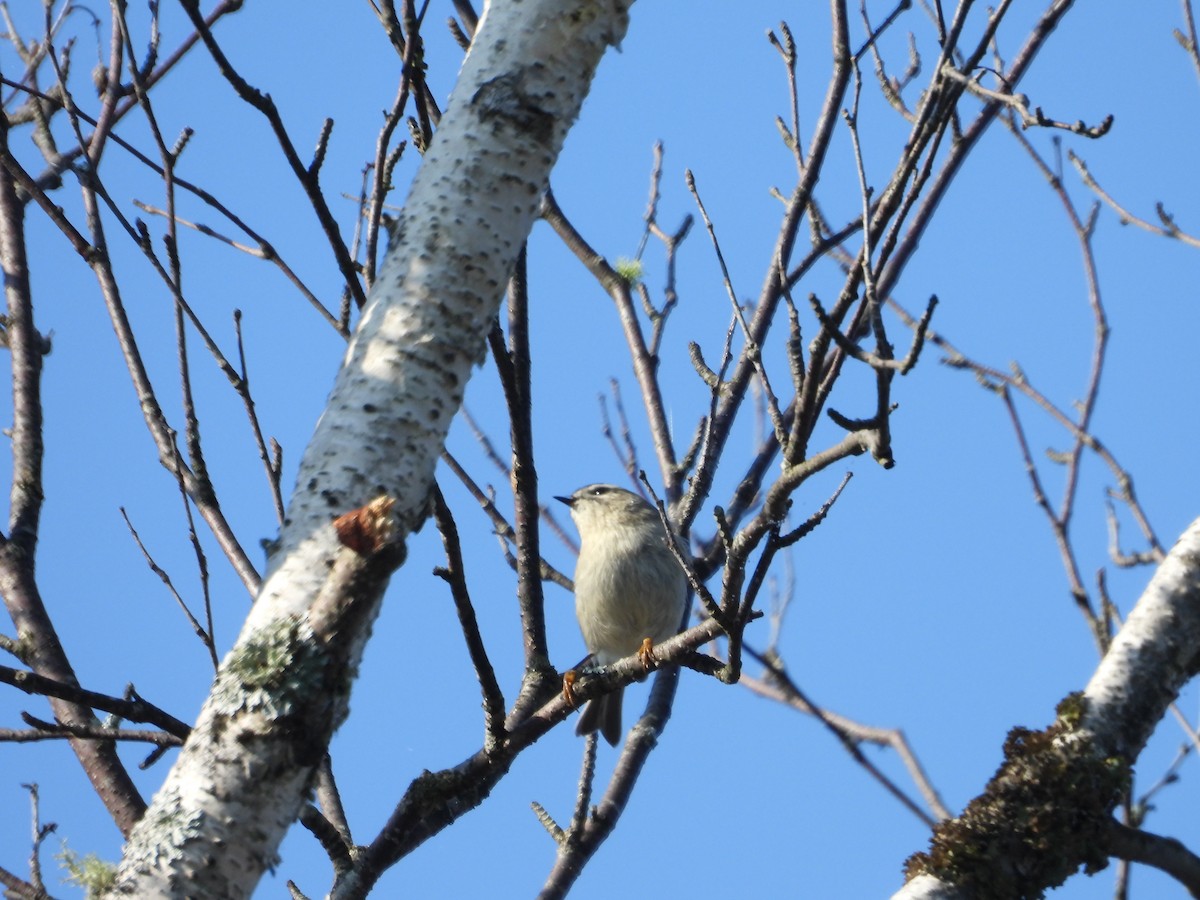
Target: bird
<point>630,590</point>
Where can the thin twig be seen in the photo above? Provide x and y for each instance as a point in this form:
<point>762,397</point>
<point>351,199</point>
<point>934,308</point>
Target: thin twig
<point>1019,104</point>
<point>200,631</point>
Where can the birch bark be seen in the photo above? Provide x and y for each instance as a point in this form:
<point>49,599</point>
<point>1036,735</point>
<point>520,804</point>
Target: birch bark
<point>239,782</point>
<point>1098,735</point>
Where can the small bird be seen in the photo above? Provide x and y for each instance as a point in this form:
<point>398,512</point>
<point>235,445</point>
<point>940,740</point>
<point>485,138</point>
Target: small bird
<point>630,591</point>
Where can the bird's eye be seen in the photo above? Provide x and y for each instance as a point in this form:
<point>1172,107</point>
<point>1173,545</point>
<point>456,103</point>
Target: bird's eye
<point>599,491</point>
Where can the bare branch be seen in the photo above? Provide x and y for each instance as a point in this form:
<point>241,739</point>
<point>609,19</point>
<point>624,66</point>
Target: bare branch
<point>1167,229</point>
<point>199,630</point>
<point>1019,104</point>
<point>135,709</point>
<point>453,575</point>
<point>308,178</point>
<point>1164,853</point>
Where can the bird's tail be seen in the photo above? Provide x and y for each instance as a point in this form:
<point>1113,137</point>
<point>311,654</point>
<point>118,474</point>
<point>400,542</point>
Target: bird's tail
<point>604,715</point>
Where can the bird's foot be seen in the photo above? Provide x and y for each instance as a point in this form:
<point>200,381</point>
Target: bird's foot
<point>646,655</point>
<point>568,690</point>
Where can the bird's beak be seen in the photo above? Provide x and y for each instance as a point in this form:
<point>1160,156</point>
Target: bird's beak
<point>567,500</point>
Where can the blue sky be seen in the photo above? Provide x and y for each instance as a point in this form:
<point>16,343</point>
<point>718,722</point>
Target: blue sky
<point>931,600</point>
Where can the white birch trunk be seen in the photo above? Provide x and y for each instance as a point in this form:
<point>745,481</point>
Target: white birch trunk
<point>1156,652</point>
<point>239,782</point>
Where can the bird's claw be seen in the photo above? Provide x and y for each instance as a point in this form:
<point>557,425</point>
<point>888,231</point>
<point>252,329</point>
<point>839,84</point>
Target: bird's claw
<point>646,654</point>
<point>568,690</point>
